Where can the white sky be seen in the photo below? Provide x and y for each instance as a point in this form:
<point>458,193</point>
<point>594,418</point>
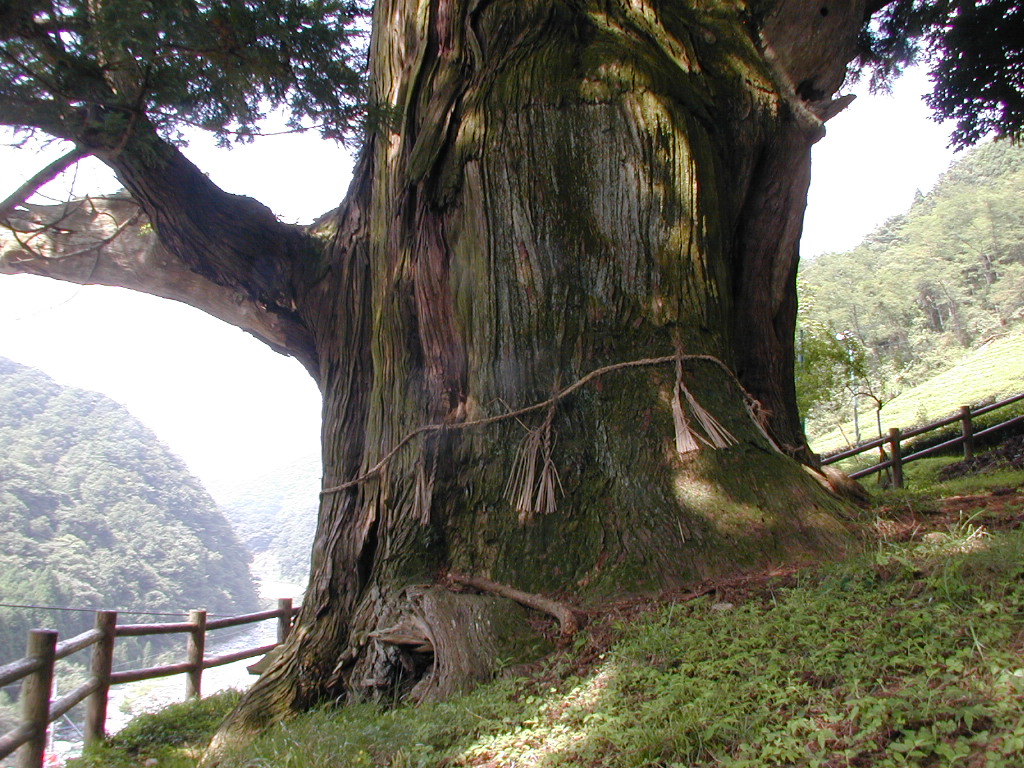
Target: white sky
<point>235,410</point>
<point>874,158</point>
<point>220,399</point>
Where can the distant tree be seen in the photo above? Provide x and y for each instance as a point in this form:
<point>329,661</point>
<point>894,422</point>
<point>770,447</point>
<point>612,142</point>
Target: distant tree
<point>828,366</point>
<point>828,361</point>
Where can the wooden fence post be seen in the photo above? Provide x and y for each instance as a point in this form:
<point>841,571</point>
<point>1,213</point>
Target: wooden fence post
<point>100,667</point>
<point>35,697</point>
<point>196,649</point>
<point>284,618</point>
<point>897,457</point>
<point>967,429</point>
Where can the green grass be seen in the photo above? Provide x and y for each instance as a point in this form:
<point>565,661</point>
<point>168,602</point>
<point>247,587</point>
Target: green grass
<point>174,736</point>
<point>921,477</point>
<point>988,374</point>
<point>908,654</point>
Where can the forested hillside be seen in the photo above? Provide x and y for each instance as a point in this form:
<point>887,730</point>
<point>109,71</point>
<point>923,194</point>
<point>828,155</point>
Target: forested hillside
<point>922,290</point>
<point>275,515</point>
<point>96,513</point>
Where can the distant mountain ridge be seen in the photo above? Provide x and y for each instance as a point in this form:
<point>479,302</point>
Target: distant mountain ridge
<point>96,513</point>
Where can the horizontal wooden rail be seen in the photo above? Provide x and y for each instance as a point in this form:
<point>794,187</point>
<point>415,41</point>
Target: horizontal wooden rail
<point>149,673</point>
<point>996,427</point>
<point>931,427</point>
<point>13,672</point>
<point>933,449</point>
<point>12,740</point>
<point>77,643</point>
<point>995,406</point>
<point>876,443</point>
<point>144,630</point>
<point>36,671</point>
<point>247,618</point>
<point>228,658</point>
<point>894,440</point>
<point>74,697</point>
<point>953,442</point>
<point>882,465</point>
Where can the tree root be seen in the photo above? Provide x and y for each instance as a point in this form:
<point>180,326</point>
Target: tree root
<point>452,640</point>
<point>569,621</point>
<point>840,484</point>
<point>439,643</point>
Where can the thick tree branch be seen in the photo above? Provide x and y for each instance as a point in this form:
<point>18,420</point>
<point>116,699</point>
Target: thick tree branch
<point>45,175</point>
<point>231,240</point>
<point>108,241</point>
<point>22,113</point>
<point>237,249</point>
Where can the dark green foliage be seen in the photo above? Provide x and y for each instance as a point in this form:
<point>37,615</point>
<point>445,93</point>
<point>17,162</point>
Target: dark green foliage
<point>975,53</point>
<point>979,80</point>
<point>95,513</point>
<point>91,70</point>
<point>923,288</point>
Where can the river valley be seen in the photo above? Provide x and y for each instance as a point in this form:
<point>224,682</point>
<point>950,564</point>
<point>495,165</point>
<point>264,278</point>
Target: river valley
<point>132,699</point>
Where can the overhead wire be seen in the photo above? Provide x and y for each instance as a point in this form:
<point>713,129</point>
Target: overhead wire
<point>128,611</point>
<point>89,610</point>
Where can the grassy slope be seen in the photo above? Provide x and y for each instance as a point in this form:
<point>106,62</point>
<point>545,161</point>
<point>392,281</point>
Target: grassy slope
<point>990,373</point>
<point>907,654</point>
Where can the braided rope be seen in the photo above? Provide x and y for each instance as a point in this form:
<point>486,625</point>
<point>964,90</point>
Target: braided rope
<point>379,467</point>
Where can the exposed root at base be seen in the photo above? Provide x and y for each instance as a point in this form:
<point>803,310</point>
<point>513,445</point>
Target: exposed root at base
<point>448,640</point>
<point>569,621</point>
<point>434,642</point>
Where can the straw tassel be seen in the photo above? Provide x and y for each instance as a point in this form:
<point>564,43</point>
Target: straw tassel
<point>545,502</point>
<point>533,482</point>
<point>717,435</point>
<point>685,440</point>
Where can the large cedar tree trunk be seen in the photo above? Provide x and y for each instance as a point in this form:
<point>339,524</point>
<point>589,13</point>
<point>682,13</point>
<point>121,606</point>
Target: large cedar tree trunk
<point>567,185</point>
<point>560,186</point>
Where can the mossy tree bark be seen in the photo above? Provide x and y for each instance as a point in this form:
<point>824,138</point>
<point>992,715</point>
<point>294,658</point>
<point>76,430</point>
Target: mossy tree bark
<point>567,185</point>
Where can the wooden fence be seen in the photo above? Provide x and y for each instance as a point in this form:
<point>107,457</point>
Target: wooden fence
<point>36,669</point>
<point>895,459</point>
